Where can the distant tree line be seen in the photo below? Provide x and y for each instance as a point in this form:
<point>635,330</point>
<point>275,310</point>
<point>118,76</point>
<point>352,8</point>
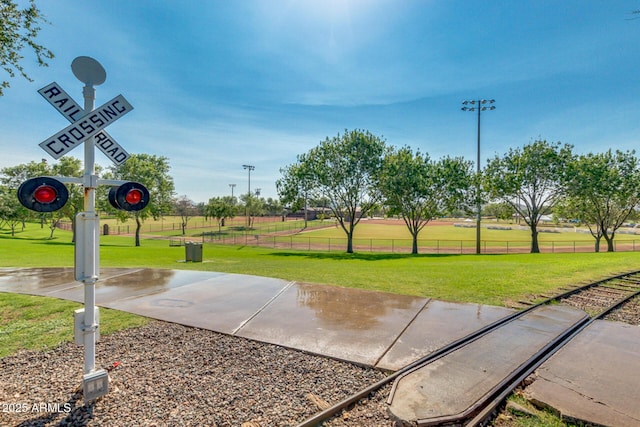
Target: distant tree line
<point>357,172</point>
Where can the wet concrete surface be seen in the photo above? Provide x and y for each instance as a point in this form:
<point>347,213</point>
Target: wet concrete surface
<point>378,329</point>
<point>365,327</point>
<point>437,325</point>
<point>343,323</point>
<point>595,377</point>
<point>453,383</point>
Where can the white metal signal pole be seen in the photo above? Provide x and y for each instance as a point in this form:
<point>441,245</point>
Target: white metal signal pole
<point>90,72</point>
<point>91,270</point>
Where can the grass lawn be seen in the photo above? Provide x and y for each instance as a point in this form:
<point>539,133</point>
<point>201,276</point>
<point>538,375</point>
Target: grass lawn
<point>32,322</point>
<point>486,279</point>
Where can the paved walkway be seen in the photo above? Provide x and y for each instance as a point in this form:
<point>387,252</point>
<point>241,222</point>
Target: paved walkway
<point>378,329</point>
<point>370,328</point>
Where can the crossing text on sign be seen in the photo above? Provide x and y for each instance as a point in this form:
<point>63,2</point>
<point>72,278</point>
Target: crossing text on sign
<point>86,127</point>
<point>61,101</point>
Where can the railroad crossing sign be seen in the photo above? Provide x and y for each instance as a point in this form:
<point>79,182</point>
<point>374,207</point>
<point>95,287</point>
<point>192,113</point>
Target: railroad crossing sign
<point>84,125</point>
<point>47,194</point>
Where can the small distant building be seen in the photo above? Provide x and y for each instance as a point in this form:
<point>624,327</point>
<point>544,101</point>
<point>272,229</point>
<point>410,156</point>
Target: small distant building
<point>312,213</point>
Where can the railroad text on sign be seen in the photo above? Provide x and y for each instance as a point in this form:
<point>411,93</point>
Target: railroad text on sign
<point>74,134</point>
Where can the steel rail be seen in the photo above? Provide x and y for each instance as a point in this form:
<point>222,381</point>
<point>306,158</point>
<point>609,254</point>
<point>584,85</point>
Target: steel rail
<point>319,417</point>
<point>535,362</point>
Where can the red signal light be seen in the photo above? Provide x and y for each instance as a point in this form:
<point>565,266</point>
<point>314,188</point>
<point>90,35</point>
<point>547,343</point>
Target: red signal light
<point>133,196</point>
<point>45,194</point>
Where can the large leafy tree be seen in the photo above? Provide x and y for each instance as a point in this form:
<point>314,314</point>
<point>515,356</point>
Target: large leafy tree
<point>602,192</point>
<point>153,172</point>
<point>19,28</point>
<point>419,189</point>
<point>345,171</point>
<point>220,208</point>
<point>530,179</point>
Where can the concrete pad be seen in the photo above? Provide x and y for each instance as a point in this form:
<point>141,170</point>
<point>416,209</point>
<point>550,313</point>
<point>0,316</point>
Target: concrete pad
<point>595,377</point>
<point>453,383</point>
<point>133,283</point>
<point>34,279</point>
<point>47,281</point>
<point>439,324</point>
<point>222,303</point>
<point>347,324</point>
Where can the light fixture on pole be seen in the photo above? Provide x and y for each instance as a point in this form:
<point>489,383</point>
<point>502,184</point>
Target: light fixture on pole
<point>479,106</point>
<point>246,209</point>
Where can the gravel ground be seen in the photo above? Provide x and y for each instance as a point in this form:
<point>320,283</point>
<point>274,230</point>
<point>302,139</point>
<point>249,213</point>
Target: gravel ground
<point>628,313</point>
<point>171,375</point>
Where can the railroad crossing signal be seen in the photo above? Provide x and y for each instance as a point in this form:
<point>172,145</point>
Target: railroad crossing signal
<point>85,127</point>
<point>130,196</point>
<point>47,194</point>
<point>43,194</point>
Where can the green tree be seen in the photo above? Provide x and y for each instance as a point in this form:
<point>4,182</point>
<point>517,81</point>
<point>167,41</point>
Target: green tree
<point>18,29</point>
<point>13,212</point>
<point>419,189</point>
<point>273,207</point>
<point>602,192</point>
<point>345,170</point>
<point>220,208</point>
<point>153,172</point>
<point>502,211</point>
<point>186,209</point>
<point>254,206</point>
<point>530,180</point>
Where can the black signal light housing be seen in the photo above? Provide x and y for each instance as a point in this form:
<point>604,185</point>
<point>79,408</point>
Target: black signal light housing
<point>130,196</point>
<point>43,194</point>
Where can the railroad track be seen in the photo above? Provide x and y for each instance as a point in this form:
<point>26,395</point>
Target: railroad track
<point>598,299</point>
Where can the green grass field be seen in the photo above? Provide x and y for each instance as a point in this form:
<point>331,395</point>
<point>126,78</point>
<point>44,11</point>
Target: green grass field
<point>373,237</point>
<point>486,279</point>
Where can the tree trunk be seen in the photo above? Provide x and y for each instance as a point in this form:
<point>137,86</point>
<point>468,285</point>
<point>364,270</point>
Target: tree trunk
<point>414,249</point>
<point>138,227</point>
<point>597,248</point>
<point>350,242</point>
<point>535,248</point>
<point>610,247</point>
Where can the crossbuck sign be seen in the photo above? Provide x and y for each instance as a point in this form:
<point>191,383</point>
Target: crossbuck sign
<point>84,125</point>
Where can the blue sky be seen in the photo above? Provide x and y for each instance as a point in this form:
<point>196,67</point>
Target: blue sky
<point>219,84</point>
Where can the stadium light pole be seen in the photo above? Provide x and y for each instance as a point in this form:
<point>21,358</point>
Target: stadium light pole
<point>232,186</point>
<point>479,106</point>
<point>246,209</point>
